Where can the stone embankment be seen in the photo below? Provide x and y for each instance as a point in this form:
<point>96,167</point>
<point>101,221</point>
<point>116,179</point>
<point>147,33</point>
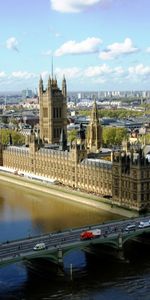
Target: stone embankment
<point>67,193</point>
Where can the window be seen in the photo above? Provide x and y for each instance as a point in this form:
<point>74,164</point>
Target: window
<point>60,112</point>
<point>57,113</point>
<point>116,193</point>
<point>54,133</point>
<point>45,112</point>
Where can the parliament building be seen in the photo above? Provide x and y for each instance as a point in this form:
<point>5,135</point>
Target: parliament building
<point>124,178</point>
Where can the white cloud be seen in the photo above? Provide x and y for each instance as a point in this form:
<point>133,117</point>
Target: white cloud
<point>88,78</point>
<point>23,75</point>
<point>69,72</point>
<point>97,74</point>
<point>90,45</point>
<point>117,49</point>
<point>2,74</point>
<point>148,50</point>
<point>139,70</point>
<point>119,70</point>
<point>12,44</point>
<point>18,80</point>
<point>72,6</point>
<point>97,70</point>
<point>45,75</point>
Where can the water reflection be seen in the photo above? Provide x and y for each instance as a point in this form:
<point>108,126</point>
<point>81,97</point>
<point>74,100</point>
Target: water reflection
<point>99,280</point>
<point>24,212</point>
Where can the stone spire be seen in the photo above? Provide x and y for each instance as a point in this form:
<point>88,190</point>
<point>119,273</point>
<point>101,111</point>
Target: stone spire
<point>94,114</point>
<point>49,82</point>
<point>55,81</point>
<point>94,131</point>
<point>64,87</point>
<point>40,85</point>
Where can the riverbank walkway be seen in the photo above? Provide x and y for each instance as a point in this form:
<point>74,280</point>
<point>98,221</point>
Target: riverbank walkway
<point>67,193</point>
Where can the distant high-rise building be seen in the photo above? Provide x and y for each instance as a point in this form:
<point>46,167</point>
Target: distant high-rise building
<point>27,93</point>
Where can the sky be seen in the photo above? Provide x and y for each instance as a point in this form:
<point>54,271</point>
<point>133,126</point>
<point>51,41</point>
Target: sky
<point>97,44</point>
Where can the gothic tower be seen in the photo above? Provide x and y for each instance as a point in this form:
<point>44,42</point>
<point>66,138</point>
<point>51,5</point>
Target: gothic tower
<point>53,111</point>
<point>130,180</point>
<point>94,131</point>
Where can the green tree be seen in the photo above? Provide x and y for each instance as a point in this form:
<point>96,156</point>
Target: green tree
<point>4,134</point>
<point>121,134</point>
<point>145,139</point>
<point>114,136</point>
<point>72,134</point>
<point>114,113</point>
<point>17,138</point>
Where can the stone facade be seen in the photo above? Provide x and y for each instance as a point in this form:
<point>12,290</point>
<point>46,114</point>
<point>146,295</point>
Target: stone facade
<point>131,180</point>
<point>94,131</point>
<point>71,168</point>
<point>124,179</point>
<point>53,110</point>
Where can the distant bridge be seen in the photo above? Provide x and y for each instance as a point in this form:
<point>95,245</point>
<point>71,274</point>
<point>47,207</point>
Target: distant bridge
<point>58,244</point>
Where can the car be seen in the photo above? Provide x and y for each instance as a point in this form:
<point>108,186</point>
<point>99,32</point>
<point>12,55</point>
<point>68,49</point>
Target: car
<point>39,246</point>
<point>144,224</point>
<point>130,227</point>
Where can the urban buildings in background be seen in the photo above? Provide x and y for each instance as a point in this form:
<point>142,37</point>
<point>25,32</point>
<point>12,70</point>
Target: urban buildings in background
<point>27,94</point>
<point>123,175</point>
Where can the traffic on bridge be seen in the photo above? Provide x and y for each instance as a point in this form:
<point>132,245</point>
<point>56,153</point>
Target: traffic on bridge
<point>32,247</point>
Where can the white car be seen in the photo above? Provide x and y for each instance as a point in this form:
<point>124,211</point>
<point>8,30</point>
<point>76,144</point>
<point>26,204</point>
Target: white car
<point>40,246</point>
<point>130,227</point>
<point>144,224</point>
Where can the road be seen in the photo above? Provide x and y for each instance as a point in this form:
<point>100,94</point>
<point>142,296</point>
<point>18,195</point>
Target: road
<point>24,247</point>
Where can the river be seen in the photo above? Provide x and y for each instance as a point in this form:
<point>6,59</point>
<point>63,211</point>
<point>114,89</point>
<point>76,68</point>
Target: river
<point>24,212</point>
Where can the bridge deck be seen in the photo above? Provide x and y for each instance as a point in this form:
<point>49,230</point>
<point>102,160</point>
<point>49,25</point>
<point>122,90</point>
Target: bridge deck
<point>12,251</point>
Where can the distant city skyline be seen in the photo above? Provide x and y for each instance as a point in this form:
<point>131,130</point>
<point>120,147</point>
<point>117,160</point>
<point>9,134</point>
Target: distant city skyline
<point>97,44</point>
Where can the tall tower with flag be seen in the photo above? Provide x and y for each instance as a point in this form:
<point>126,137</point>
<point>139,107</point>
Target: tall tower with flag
<point>53,110</point>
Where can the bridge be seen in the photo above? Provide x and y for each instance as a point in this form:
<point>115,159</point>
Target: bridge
<point>58,244</point>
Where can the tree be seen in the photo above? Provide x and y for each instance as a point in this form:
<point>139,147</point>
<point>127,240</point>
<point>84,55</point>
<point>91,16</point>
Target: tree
<point>121,134</point>
<point>114,113</point>
<point>114,136</point>
<point>145,139</point>
<point>72,134</point>
<point>16,137</point>
<point>4,134</point>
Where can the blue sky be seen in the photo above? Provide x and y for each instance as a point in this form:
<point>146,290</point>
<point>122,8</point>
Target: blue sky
<point>97,44</point>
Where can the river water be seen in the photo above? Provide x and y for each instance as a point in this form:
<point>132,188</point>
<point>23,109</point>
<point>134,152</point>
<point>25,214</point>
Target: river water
<point>24,213</point>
